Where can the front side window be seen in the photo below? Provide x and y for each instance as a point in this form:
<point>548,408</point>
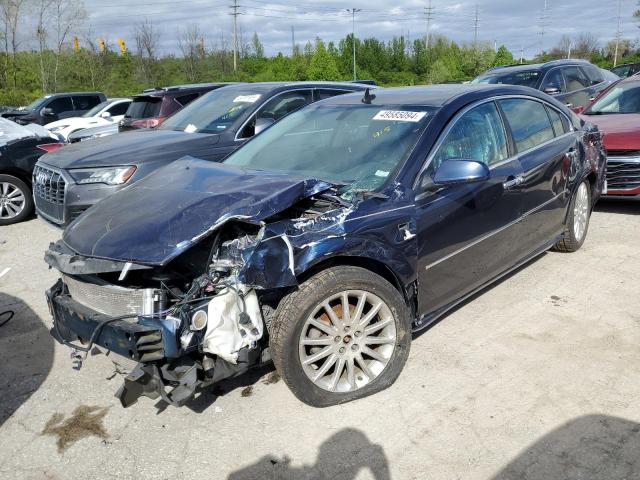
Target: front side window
<point>575,79</point>
<point>529,122</point>
<point>477,135</point>
<point>278,107</point>
<point>359,145</point>
<point>60,104</point>
<point>554,80</point>
<point>118,109</point>
<point>323,93</point>
<point>95,110</point>
<point>623,98</point>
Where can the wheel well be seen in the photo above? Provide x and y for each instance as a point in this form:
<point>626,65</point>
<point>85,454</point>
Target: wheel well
<point>19,175</point>
<point>592,178</point>
<point>374,266</point>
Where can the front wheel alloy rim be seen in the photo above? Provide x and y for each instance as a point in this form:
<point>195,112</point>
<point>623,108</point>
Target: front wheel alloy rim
<point>580,212</point>
<point>12,200</point>
<point>347,341</point>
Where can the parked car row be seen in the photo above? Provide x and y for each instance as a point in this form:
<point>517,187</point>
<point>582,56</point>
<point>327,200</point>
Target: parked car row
<point>313,224</point>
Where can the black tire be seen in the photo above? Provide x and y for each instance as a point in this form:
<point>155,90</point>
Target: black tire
<point>290,318</point>
<point>28,203</point>
<point>569,242</point>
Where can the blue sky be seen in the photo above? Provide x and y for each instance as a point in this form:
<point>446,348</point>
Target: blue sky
<point>515,23</point>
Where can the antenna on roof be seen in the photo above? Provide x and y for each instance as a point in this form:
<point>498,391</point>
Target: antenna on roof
<point>368,97</point>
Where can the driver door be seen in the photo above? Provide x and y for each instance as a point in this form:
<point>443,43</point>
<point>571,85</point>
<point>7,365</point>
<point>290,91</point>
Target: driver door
<point>466,233</point>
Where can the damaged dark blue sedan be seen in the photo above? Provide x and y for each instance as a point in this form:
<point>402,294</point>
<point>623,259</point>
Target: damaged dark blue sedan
<point>326,241</point>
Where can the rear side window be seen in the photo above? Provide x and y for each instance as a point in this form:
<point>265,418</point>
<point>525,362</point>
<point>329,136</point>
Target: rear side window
<point>118,109</point>
<point>529,122</point>
<point>144,107</point>
<point>559,127</point>
<point>188,98</point>
<point>60,104</point>
<point>85,102</point>
<point>575,79</point>
<point>477,135</point>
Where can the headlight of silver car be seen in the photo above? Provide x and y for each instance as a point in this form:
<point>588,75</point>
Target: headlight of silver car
<point>109,176</point>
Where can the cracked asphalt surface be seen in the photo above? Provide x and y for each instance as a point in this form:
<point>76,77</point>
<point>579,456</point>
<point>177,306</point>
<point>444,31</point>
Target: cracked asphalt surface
<point>535,378</point>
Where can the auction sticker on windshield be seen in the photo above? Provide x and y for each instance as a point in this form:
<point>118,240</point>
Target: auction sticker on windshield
<point>399,116</point>
<point>246,99</point>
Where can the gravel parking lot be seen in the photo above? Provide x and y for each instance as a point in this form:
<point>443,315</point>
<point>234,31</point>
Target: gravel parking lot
<point>535,378</point>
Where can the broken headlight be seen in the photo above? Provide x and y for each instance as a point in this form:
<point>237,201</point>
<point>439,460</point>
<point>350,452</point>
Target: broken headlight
<point>109,176</point>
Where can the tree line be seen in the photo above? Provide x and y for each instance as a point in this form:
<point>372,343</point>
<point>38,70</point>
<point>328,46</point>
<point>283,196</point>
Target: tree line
<point>63,60</point>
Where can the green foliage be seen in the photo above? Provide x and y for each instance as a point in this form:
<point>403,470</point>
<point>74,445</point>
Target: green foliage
<point>503,57</point>
<point>322,65</point>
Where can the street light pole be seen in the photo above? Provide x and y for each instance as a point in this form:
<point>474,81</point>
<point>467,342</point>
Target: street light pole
<point>353,12</point>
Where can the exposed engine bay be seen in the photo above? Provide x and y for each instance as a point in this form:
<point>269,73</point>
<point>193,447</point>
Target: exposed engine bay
<point>196,331</point>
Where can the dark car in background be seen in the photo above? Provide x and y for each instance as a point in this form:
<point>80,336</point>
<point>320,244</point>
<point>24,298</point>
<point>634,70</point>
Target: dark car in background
<point>20,148</point>
<point>326,240</point>
<point>153,106</point>
<point>617,114</point>
<point>626,70</point>
<point>573,82</point>
<point>54,107</point>
<point>211,128</point>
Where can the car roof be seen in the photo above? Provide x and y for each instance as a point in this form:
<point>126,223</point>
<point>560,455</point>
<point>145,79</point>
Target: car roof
<point>62,94</point>
<point>536,66</point>
<point>430,95</point>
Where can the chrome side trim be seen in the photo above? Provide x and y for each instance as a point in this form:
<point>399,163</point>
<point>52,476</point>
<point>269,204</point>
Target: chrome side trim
<point>495,232</point>
<point>624,159</point>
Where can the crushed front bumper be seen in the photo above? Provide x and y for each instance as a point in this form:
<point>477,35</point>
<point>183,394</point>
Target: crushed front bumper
<point>74,322</point>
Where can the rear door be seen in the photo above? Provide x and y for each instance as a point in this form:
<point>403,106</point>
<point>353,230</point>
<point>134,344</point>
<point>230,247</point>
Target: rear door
<point>466,233</point>
<point>544,143</point>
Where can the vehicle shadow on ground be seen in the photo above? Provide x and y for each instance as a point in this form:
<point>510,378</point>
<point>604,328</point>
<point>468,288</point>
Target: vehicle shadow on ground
<point>627,207</point>
<point>341,457</point>
<point>481,292</point>
<point>207,396</point>
<point>26,354</point>
<point>593,447</point>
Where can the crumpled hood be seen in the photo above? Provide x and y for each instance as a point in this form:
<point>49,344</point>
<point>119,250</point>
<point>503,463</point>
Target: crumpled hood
<point>129,148</point>
<point>621,131</point>
<point>154,220</point>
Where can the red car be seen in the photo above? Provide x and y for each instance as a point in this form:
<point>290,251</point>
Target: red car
<point>617,114</point>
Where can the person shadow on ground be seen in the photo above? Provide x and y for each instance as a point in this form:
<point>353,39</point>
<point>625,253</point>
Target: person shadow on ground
<point>26,354</point>
<point>340,457</point>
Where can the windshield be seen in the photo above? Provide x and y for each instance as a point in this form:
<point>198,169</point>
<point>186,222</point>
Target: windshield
<point>95,110</point>
<point>36,104</point>
<point>623,98</point>
<point>144,107</point>
<point>214,112</point>
<point>361,145</point>
<point>526,78</point>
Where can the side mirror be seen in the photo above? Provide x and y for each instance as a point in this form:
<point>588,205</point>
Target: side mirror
<point>105,115</point>
<point>47,112</point>
<point>461,171</point>
<point>262,123</point>
<point>552,90</point>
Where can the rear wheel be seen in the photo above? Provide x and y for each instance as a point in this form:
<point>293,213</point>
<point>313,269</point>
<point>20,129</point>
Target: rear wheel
<point>16,203</point>
<point>575,230</point>
<point>344,334</point>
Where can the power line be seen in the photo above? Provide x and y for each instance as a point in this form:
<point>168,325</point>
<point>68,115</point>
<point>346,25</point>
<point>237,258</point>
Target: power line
<point>235,14</point>
<point>476,24</point>
<point>543,24</point>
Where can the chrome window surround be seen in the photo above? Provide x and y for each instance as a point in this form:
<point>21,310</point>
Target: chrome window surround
<point>473,105</point>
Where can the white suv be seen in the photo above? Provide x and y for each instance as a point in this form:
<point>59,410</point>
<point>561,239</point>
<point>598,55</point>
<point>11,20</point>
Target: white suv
<point>105,113</point>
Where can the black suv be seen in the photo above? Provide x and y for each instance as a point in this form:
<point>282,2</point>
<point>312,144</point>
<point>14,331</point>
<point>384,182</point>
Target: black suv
<point>54,107</point>
<point>573,82</point>
<point>209,128</point>
<point>152,106</point>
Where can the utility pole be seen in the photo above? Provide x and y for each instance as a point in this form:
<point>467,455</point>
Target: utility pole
<point>293,40</point>
<point>428,11</point>
<point>476,24</point>
<point>543,25</point>
<point>353,12</point>
<point>521,55</point>
<point>618,33</point>
<point>235,14</point>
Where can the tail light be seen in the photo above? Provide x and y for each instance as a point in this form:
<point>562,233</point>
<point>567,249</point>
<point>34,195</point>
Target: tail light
<point>147,122</point>
<point>50,147</point>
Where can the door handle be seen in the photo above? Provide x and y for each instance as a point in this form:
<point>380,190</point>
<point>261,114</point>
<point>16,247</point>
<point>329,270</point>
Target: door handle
<point>513,182</point>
